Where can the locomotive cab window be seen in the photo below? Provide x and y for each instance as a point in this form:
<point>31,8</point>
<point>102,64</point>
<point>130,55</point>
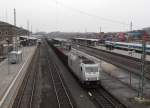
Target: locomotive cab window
<point>91,69</point>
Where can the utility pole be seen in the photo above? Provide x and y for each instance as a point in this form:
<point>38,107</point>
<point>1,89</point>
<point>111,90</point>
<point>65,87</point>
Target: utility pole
<point>143,56</point>
<point>6,15</point>
<point>131,25</point>
<point>28,25</point>
<point>128,48</point>
<point>8,56</point>
<point>15,31</point>
<point>14,16</point>
<point>100,29</point>
<point>28,28</point>
<point>31,30</point>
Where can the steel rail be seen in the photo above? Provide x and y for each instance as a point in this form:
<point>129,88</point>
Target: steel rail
<point>100,100</point>
<point>64,87</point>
<point>133,67</point>
<point>55,90</point>
<point>33,90</point>
<point>25,83</point>
<point>105,100</point>
<point>23,89</point>
<point>53,68</point>
<point>112,100</point>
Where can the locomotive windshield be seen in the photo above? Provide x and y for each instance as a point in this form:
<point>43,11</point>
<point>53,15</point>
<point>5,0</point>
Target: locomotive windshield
<point>91,69</point>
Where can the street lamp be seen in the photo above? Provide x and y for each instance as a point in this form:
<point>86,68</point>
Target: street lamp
<point>7,40</point>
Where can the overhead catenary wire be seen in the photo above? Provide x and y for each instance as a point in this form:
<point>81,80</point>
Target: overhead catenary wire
<point>93,15</point>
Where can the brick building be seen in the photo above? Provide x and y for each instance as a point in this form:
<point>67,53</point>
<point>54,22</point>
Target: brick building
<point>7,33</point>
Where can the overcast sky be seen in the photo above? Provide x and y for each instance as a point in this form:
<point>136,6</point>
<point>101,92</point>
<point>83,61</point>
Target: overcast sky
<point>77,15</point>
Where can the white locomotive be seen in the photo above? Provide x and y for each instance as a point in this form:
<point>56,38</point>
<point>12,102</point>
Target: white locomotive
<point>85,70</point>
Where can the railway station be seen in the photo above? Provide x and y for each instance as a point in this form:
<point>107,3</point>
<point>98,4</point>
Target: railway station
<point>75,54</point>
<point>118,77</point>
<point>86,41</point>
<point>118,80</point>
<point>78,72</point>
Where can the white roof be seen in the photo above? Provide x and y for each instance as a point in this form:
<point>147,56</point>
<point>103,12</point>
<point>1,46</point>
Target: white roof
<point>60,39</point>
<point>87,39</point>
<point>16,52</point>
<point>29,37</point>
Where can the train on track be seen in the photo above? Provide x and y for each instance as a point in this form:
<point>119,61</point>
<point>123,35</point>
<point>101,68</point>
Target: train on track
<point>86,71</point>
<point>126,46</point>
<point>39,41</point>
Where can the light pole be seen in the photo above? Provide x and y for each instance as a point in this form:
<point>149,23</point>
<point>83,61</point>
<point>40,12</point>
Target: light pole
<point>141,80</point>
<point>8,56</point>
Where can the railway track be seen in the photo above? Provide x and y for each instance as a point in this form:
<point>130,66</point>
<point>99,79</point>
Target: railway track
<point>64,99</point>
<point>25,95</point>
<point>48,87</point>
<point>62,95</point>
<point>103,99</point>
<point>55,94</point>
<point>122,61</point>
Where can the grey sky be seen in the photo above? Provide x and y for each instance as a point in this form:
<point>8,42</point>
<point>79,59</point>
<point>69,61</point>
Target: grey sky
<point>67,15</point>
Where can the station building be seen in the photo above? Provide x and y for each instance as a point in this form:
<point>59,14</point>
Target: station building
<point>7,34</point>
<point>86,41</point>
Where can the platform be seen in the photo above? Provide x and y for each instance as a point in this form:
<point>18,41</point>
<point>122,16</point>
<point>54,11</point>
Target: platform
<point>11,75</point>
<point>117,82</point>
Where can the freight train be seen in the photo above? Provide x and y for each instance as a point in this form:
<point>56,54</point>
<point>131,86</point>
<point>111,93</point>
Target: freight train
<point>86,71</point>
